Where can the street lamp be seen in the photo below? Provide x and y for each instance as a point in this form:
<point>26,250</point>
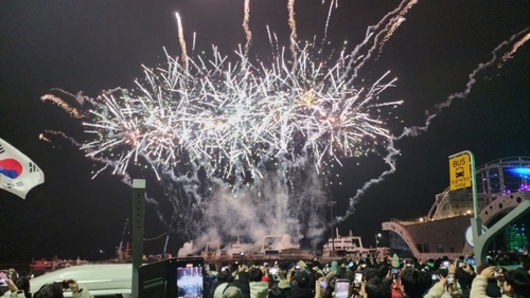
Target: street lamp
<point>332,204</point>
<point>377,239</point>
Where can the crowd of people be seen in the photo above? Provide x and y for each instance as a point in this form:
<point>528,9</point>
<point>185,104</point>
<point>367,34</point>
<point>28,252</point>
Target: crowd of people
<point>17,285</point>
<point>387,277</point>
<point>368,278</point>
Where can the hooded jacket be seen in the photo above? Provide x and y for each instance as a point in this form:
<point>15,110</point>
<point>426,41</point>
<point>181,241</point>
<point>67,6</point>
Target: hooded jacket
<point>478,288</point>
<point>218,291</point>
<point>436,291</point>
<point>259,289</point>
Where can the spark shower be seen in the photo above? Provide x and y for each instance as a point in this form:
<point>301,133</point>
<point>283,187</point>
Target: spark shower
<point>244,146</point>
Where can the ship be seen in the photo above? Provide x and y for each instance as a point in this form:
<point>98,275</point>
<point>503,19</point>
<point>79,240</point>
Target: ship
<point>271,247</point>
<point>349,246</point>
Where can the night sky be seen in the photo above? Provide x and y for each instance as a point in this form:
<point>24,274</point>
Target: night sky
<point>95,45</point>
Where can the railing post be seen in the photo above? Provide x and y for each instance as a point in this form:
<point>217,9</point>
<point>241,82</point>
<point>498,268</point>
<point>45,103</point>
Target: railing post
<point>138,231</point>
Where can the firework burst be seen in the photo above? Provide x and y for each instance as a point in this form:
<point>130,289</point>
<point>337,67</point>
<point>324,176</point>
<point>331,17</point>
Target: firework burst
<point>229,118</point>
<point>242,122</point>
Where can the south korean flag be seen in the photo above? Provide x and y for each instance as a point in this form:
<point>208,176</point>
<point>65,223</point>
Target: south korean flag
<point>18,174</point>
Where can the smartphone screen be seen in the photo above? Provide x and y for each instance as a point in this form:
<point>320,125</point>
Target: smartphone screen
<point>394,272</point>
<point>434,277</point>
<point>190,279</point>
<point>445,264</point>
<point>342,288</point>
<point>358,279</point>
<point>323,284</point>
<point>358,276</point>
<point>3,279</point>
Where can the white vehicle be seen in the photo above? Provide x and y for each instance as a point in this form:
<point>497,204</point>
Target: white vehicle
<point>102,280</point>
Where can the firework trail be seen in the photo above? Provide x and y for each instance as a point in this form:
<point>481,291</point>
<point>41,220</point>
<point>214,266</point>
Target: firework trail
<point>244,145</point>
<point>390,160</point>
<point>58,133</point>
<point>108,163</point>
<point>515,47</point>
<point>414,131</point>
<point>396,21</point>
<point>390,32</point>
<point>182,42</point>
<point>333,4</point>
<point>43,138</point>
<point>417,130</point>
<point>292,25</point>
<point>248,33</point>
<point>64,105</point>
<point>379,29</point>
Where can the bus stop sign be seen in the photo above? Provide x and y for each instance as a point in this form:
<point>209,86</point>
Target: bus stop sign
<point>460,171</point>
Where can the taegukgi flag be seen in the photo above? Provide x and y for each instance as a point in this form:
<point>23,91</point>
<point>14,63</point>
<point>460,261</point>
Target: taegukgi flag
<point>18,174</point>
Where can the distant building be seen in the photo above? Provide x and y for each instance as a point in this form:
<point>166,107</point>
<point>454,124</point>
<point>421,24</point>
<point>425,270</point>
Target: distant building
<point>501,186</point>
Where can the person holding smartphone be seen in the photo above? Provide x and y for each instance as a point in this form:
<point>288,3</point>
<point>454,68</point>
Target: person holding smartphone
<point>342,288</point>
<point>56,290</point>
<point>480,283</point>
<point>413,284</point>
<point>21,287</point>
<point>14,291</point>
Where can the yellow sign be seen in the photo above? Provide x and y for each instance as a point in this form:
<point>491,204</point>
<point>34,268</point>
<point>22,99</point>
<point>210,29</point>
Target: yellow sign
<point>460,171</point>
